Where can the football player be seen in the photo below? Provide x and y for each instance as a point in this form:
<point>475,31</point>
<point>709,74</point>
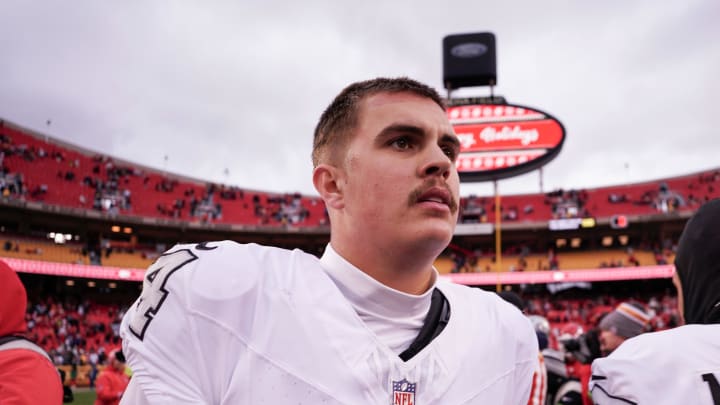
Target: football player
<point>368,323</point>
<point>680,365</point>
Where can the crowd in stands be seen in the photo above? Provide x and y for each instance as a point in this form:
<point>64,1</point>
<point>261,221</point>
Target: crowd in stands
<point>107,252</point>
<point>39,170</point>
<point>516,257</point>
<point>11,184</point>
<point>519,257</point>
<point>75,333</point>
<point>83,333</point>
<point>583,314</point>
<point>568,203</point>
<point>32,169</point>
<point>666,196</point>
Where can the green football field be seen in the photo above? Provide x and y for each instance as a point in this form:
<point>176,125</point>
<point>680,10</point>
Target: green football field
<point>84,398</point>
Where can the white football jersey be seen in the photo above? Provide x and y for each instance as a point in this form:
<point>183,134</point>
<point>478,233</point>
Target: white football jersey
<point>226,323</point>
<point>676,366</point>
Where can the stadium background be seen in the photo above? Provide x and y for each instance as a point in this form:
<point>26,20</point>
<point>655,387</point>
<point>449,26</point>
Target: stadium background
<point>81,226</point>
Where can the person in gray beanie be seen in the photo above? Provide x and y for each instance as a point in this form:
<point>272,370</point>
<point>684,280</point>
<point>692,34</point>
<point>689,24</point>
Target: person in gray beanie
<point>628,320</point>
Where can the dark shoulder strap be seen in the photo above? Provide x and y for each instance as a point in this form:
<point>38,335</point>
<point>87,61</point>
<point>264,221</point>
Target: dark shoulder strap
<point>9,338</point>
<point>20,342</point>
<point>437,318</point>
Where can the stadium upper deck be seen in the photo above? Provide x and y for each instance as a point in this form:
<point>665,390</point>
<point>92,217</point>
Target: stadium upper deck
<point>39,169</point>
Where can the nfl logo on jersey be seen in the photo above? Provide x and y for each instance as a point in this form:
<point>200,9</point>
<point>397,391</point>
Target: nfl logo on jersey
<point>403,392</point>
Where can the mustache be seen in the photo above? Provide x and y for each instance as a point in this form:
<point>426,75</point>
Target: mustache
<point>414,196</point>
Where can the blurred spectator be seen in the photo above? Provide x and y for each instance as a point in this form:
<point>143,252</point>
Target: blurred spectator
<point>631,259</point>
<point>553,262</point>
<point>27,376</point>
<point>112,381</point>
<point>617,198</point>
<point>628,320</point>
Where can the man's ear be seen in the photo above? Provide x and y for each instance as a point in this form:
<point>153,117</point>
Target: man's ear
<point>329,182</point>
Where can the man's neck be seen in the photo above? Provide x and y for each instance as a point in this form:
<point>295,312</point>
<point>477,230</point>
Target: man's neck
<point>408,270</point>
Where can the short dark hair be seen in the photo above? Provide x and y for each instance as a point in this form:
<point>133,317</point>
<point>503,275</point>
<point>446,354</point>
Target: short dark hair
<point>341,115</point>
<point>119,356</point>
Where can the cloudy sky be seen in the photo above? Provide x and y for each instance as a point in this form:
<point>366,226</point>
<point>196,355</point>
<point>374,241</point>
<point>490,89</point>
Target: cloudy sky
<point>230,91</point>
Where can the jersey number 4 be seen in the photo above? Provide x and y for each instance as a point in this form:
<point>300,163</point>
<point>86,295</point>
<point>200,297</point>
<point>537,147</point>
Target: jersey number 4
<point>154,292</point>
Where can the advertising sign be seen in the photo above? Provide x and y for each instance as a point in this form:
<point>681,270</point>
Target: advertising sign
<point>501,141</point>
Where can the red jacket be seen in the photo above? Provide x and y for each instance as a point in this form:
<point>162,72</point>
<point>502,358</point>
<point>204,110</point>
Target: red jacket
<point>26,376</point>
<point>109,386</point>
<point>582,372</point>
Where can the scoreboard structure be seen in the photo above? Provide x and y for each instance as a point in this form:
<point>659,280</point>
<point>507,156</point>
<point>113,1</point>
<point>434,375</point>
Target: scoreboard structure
<point>498,140</point>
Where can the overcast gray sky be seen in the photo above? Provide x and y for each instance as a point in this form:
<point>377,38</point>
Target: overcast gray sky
<point>239,85</point>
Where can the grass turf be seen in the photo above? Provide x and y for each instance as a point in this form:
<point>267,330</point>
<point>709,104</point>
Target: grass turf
<point>84,398</point>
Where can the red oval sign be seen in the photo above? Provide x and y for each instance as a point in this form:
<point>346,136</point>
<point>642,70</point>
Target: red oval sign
<point>501,141</point>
